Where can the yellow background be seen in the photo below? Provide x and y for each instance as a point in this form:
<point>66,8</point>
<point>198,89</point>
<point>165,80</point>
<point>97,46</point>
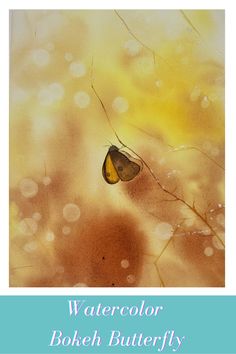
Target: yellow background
<point>160,76</point>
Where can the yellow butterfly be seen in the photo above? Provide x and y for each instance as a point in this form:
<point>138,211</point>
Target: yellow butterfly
<point>119,166</point>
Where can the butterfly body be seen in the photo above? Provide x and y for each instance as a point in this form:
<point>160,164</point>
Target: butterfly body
<point>119,166</point>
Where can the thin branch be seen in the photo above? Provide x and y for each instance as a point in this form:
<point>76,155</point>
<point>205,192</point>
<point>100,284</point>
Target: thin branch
<point>178,199</point>
<point>194,28</point>
<point>160,277</point>
<point>180,148</point>
<point>163,250</point>
<point>187,147</point>
<point>103,106</point>
<point>190,23</point>
<point>154,54</point>
<point>21,267</point>
<point>166,200</point>
<point>135,37</point>
<point>115,133</point>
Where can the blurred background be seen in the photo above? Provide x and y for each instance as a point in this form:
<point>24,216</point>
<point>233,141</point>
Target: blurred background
<point>160,77</point>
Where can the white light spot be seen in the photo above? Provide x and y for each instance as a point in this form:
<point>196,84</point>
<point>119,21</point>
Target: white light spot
<point>220,219</point>
<point>120,105</point>
<point>50,236</point>
<point>68,56</point>
<point>56,90</point>
<point>132,47</point>
<point>50,94</point>
<point>66,230</point>
<point>124,263</point>
<point>144,66</point>
<point>159,83</point>
<point>164,231</point>
<point>205,102</point>
<point>40,57</point>
<point>37,216</point>
<point>28,226</point>
<point>46,180</point>
<point>77,69</point>
<point>172,173</point>
<point>162,161</point>
<point>195,94</point>
<point>44,97</point>
<point>30,246</point>
<point>71,212</point>
<point>216,243</point>
<point>130,278</point>
<point>19,95</point>
<point>206,232</point>
<point>28,188</point>
<point>208,251</point>
<point>189,222</point>
<point>42,127</point>
<point>80,285</point>
<point>82,99</point>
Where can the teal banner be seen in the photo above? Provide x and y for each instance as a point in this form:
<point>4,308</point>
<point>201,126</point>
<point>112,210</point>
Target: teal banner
<point>117,324</point>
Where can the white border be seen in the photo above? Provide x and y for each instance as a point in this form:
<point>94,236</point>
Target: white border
<point>230,143</point>
<point>4,69</point>
<point>122,4</point>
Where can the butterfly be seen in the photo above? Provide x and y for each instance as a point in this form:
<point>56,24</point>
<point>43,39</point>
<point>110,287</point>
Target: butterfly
<point>119,166</point>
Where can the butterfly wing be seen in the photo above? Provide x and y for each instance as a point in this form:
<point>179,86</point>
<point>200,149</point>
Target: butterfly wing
<point>108,170</point>
<point>125,168</point>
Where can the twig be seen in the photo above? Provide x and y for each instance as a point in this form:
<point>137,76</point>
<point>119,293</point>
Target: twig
<point>190,23</point>
<point>185,148</point>
<point>180,148</point>
<point>111,126</point>
<point>194,28</point>
<point>163,250</point>
<point>160,277</point>
<point>179,199</point>
<point>154,54</point>
<point>21,267</point>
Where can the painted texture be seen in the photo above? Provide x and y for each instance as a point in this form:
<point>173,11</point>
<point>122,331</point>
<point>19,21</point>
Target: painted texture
<point>160,77</point>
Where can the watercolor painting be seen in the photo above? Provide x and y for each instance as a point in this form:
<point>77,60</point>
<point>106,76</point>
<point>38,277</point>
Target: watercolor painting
<point>117,148</point>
